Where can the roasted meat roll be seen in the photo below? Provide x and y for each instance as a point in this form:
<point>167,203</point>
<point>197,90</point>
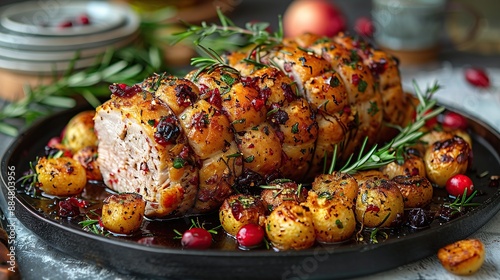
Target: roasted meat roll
<point>187,143</point>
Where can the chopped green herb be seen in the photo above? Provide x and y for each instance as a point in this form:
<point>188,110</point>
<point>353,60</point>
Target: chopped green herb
<point>373,110</point>
<point>362,86</point>
<point>178,163</point>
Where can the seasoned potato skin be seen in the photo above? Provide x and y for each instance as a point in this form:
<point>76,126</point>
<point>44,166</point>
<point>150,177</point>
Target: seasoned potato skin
<point>444,159</point>
<point>417,191</point>
<point>87,157</point>
<point>413,165</point>
<point>379,203</point>
<point>372,174</point>
<point>333,219</point>
<point>62,176</point>
<point>290,226</point>
<point>123,213</point>
<point>339,185</point>
<point>279,192</point>
<point>239,210</point>
<point>79,132</point>
<point>463,257</point>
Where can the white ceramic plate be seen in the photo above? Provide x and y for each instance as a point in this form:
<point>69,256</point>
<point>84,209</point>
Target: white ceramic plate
<point>15,54</point>
<point>45,17</point>
<point>26,41</point>
<point>55,61</point>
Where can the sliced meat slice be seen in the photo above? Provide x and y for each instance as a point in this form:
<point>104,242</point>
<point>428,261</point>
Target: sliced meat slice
<point>143,149</point>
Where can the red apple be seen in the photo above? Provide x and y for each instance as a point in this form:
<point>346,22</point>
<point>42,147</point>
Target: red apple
<point>314,16</point>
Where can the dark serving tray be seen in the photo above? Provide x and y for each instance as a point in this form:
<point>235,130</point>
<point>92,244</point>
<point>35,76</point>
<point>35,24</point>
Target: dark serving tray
<point>320,262</point>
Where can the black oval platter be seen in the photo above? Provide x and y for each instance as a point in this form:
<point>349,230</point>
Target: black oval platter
<point>320,262</point>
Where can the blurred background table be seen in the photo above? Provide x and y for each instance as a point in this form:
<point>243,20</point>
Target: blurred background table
<point>38,260</point>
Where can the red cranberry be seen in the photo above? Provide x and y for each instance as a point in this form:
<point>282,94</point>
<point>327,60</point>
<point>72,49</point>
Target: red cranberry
<point>167,131</point>
<point>288,92</point>
<point>477,77</point>
<point>65,24</point>
<point>123,90</point>
<point>215,98</point>
<point>458,184</point>
<point>83,19</point>
<point>70,207</point>
<point>250,235</point>
<point>453,120</point>
<point>185,95</point>
<point>196,238</point>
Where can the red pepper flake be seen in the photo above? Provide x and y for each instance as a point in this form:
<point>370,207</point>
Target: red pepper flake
<point>144,167</point>
<point>372,208</point>
<point>258,104</point>
<point>185,152</point>
<point>200,120</point>
<point>355,79</point>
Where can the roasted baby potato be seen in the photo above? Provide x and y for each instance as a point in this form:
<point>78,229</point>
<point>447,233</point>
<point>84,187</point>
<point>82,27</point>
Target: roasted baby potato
<point>444,159</point>
<point>79,132</point>
<point>372,174</point>
<point>61,176</point>
<point>463,257</point>
<point>278,191</point>
<point>123,213</point>
<point>290,226</point>
<point>433,136</point>
<point>338,185</point>
<point>239,210</point>
<point>417,191</point>
<point>379,204</point>
<point>413,165</point>
<point>87,157</point>
<point>333,219</point>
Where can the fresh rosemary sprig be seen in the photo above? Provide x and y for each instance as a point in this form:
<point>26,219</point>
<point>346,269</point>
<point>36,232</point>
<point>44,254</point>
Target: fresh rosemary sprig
<point>29,180</point>
<point>210,63</point>
<point>462,202</point>
<point>376,232</point>
<point>126,65</point>
<point>378,157</point>
<point>93,226</point>
<point>230,34</point>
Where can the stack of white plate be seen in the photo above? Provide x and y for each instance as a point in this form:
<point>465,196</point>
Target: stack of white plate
<point>46,36</point>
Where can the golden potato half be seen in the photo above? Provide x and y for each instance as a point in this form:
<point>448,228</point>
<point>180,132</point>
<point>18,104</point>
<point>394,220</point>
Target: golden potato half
<point>123,213</point>
<point>463,257</point>
<point>61,176</point>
